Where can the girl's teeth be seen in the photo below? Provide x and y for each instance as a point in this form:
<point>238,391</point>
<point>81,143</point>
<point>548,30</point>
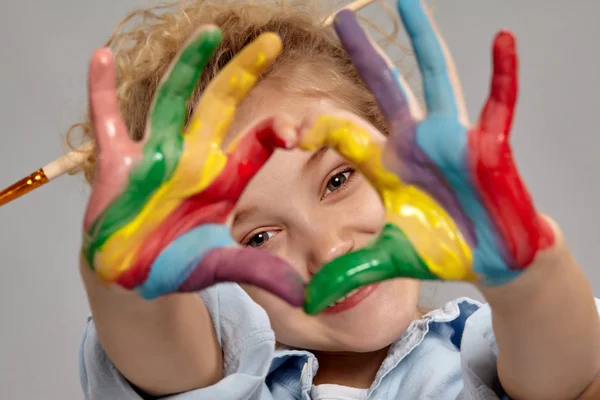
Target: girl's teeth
<point>345,297</point>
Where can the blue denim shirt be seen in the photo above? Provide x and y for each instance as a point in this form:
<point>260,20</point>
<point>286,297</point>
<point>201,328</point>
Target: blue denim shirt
<point>448,354</point>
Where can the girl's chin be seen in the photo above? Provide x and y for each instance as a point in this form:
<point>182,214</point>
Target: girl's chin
<point>376,323</point>
<point>355,342</point>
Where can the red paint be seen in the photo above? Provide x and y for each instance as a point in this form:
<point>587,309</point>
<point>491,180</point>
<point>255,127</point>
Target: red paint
<point>505,196</point>
<point>351,301</point>
<point>212,205</point>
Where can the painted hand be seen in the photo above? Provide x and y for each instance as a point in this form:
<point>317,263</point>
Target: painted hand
<point>456,206</point>
<point>156,219</point>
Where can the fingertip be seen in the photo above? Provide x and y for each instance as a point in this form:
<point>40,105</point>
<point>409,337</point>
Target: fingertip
<point>271,43</point>
<point>102,58</point>
<point>345,17</point>
<point>104,55</point>
<point>206,29</point>
<point>102,68</point>
<point>273,132</point>
<point>286,131</point>
<point>505,41</point>
<point>209,28</point>
<point>506,33</point>
<point>296,295</point>
<point>209,37</point>
<point>307,133</point>
<point>405,6</point>
<point>349,31</point>
<point>505,57</point>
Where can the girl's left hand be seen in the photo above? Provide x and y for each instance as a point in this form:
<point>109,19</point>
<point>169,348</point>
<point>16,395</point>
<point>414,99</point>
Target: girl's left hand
<point>456,206</point>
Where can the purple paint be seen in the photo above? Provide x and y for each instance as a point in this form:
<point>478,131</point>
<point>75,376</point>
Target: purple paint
<point>247,265</point>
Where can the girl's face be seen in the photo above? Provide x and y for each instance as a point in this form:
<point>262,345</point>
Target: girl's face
<point>309,208</point>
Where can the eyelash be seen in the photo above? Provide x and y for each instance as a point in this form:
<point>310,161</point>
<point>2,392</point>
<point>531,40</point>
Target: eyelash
<point>343,170</point>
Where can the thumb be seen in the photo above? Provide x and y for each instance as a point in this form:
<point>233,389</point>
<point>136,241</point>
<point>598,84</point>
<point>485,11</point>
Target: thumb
<point>207,255</point>
<point>250,266</point>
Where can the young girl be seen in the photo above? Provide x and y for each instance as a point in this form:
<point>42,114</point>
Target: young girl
<point>307,209</point>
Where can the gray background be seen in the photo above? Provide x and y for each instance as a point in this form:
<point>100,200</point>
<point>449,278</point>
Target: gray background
<point>46,45</point>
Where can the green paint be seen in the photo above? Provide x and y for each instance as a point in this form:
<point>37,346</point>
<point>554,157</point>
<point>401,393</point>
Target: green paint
<point>391,255</point>
<point>164,146</point>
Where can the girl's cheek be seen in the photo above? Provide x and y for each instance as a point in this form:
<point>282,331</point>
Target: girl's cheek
<point>367,207</point>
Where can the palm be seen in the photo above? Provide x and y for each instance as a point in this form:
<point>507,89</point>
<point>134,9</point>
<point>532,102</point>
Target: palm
<point>456,206</point>
<point>156,218</point>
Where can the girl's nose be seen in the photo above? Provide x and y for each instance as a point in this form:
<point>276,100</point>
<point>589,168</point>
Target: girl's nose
<point>327,246</point>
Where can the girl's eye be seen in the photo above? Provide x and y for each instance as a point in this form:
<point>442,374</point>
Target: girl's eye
<point>337,181</point>
<point>260,238</point>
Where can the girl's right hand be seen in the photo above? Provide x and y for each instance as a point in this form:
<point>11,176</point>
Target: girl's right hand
<point>156,218</point>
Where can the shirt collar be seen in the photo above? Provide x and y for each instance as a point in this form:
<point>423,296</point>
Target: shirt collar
<point>296,368</point>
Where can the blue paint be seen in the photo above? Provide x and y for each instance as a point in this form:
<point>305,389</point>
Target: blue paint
<point>438,90</point>
<point>175,263</point>
<point>444,139</point>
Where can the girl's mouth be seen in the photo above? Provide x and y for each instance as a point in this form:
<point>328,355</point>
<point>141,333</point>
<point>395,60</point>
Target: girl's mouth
<point>350,300</point>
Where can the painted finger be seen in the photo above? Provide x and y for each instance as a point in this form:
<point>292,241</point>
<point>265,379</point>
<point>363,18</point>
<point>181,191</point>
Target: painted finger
<point>250,266</point>
<point>521,229</point>
<point>497,114</point>
<point>354,140</point>
<point>443,93</point>
<point>248,154</point>
<point>205,256</point>
<point>109,129</point>
<point>391,256</point>
<point>169,110</point>
<point>245,156</point>
<point>214,114</point>
<point>396,101</point>
<point>117,152</point>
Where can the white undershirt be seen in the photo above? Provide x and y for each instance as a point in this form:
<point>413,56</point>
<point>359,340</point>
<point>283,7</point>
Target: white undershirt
<point>337,392</point>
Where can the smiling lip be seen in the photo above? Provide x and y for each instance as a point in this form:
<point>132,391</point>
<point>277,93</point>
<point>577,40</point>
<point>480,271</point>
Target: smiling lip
<point>351,301</point>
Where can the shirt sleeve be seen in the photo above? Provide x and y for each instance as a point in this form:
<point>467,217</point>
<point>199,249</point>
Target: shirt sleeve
<point>479,353</point>
<point>243,331</point>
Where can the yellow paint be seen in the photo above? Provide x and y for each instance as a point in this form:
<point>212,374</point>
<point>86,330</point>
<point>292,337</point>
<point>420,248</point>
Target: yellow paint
<point>202,159</point>
<point>430,228</point>
<point>261,58</point>
<point>120,249</point>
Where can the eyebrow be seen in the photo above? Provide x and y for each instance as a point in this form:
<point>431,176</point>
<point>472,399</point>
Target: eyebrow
<point>315,158</point>
<point>242,215</point>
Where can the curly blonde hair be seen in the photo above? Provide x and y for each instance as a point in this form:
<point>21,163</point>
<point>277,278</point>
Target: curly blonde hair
<point>147,40</point>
